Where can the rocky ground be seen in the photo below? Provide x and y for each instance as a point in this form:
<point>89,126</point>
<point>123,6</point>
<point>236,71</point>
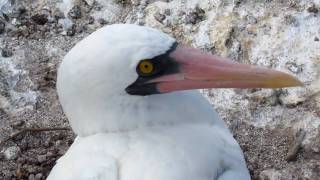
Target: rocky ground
<point>278,130</point>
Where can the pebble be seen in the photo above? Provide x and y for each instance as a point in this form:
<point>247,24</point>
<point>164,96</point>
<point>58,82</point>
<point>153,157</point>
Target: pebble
<point>6,53</point>
<point>68,26</point>
<point>97,7</point>
<point>40,19</point>
<point>71,31</point>
<point>123,2</point>
<point>102,21</point>
<point>270,174</point>
<point>24,144</point>
<point>38,176</point>
<point>12,153</point>
<point>1,156</point>
<point>288,19</point>
<point>18,11</point>
<point>293,67</point>
<point>30,160</point>
<point>159,17</point>
<point>58,143</point>
<point>90,2</point>
<point>57,14</point>
<point>42,158</point>
<point>31,177</point>
<point>135,2</point>
<point>251,19</point>
<point>91,20</point>
<point>19,172</point>
<point>2,27</point>
<point>296,146</point>
<point>31,168</point>
<point>47,142</point>
<point>144,3</point>
<point>195,16</point>
<point>313,9</point>
<point>17,124</point>
<point>75,12</point>
<point>21,160</point>
<point>167,12</point>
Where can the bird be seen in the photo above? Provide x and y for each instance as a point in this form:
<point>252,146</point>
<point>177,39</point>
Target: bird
<point>131,96</point>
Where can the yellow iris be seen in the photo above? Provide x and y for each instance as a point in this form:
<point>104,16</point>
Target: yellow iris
<point>146,67</point>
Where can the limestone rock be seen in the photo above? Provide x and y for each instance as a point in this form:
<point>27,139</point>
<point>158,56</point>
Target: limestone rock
<point>12,153</point>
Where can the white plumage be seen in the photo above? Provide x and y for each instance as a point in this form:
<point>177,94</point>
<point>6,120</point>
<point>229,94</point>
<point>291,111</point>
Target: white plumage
<point>183,151</point>
<point>172,136</point>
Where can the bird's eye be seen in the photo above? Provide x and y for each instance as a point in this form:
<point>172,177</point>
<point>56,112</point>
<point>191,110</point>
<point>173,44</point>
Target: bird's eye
<point>146,67</point>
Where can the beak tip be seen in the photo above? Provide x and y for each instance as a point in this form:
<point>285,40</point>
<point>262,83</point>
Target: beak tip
<point>300,84</point>
<point>293,82</point>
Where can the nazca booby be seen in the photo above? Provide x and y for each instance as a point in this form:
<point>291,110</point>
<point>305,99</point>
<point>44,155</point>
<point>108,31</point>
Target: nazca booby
<point>119,88</point>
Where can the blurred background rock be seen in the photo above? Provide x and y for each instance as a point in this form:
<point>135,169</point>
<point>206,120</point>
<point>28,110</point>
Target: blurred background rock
<point>278,130</point>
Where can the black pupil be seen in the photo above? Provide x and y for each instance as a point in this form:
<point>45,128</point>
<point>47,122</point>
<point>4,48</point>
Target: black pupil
<point>146,66</point>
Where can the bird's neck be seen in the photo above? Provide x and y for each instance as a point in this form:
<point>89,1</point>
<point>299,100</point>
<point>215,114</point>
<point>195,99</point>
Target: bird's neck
<point>127,113</point>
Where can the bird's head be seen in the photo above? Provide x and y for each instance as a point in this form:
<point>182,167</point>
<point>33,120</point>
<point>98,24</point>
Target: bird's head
<point>118,69</point>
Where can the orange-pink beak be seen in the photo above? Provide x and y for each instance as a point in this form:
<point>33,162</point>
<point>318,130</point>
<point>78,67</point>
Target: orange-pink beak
<point>199,70</point>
